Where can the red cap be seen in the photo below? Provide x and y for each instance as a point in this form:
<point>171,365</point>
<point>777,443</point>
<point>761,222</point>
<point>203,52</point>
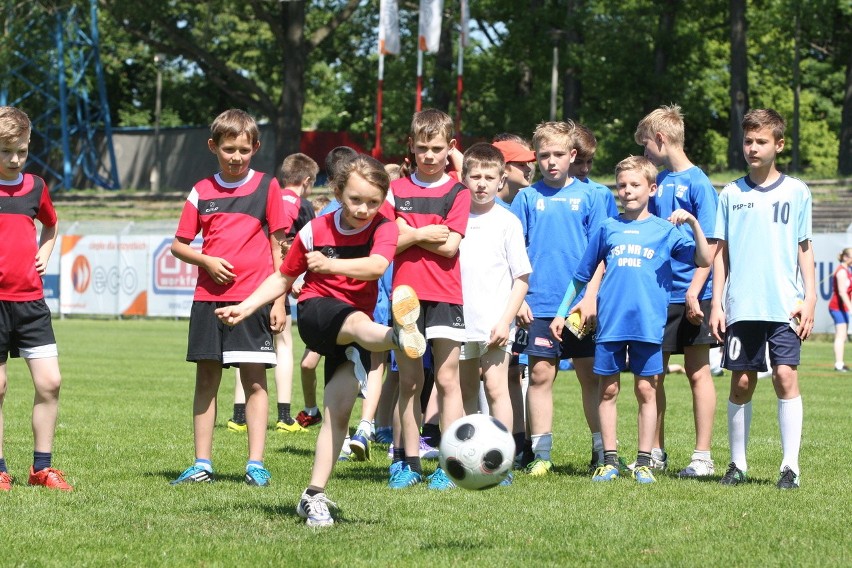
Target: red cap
<point>514,152</point>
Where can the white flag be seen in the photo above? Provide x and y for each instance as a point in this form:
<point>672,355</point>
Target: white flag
<point>431,12</point>
<point>388,27</point>
<point>465,22</point>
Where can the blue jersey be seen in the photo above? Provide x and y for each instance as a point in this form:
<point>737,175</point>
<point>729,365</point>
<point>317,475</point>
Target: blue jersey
<point>557,224</point>
<point>634,296</point>
<point>691,190</point>
<point>609,198</point>
<point>763,227</point>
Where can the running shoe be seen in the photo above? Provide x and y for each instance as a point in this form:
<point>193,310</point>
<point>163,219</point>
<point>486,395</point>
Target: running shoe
<point>606,473</point>
<point>406,310</point>
<point>404,477</point>
<point>539,467</point>
<point>698,468</point>
<point>192,474</point>
<point>306,420</point>
<point>395,467</point>
<point>789,479</point>
<point>507,481</point>
<point>293,426</point>
<point>314,509</point>
<point>360,446</point>
<point>5,481</point>
<point>659,461</point>
<point>258,477</point>
<point>49,477</point>
<point>440,481</point>
<point>427,452</point>
<point>642,474</point>
<point>237,426</point>
<point>384,435</point>
<point>734,475</point>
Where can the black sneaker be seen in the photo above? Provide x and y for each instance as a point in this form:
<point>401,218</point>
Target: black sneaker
<point>788,480</point>
<point>594,463</point>
<point>734,475</point>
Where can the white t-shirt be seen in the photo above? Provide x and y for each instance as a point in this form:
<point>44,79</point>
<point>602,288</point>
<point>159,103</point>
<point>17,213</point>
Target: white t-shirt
<point>492,255</point>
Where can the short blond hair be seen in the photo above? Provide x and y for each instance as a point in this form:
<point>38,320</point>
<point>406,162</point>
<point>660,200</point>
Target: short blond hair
<point>561,133</point>
<point>640,164</point>
<point>585,141</point>
<point>668,120</point>
<point>232,123</point>
<point>14,123</point>
<point>483,155</point>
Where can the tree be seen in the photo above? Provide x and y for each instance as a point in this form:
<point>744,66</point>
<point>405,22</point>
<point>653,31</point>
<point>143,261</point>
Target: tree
<point>738,88</point>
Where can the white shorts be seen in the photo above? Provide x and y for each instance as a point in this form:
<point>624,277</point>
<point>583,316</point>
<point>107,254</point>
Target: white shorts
<point>476,349</point>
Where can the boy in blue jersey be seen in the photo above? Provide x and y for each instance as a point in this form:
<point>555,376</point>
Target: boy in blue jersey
<point>638,250</point>
<point>682,185</point>
<point>558,214</point>
<point>766,292</point>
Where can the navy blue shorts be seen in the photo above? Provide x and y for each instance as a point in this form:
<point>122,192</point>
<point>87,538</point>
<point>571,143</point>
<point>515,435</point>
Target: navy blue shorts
<point>541,343</point>
<point>746,341</point>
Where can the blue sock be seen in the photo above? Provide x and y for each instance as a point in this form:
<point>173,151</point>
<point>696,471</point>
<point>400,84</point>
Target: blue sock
<point>41,460</point>
<point>254,463</point>
<point>3,465</point>
<point>205,464</point>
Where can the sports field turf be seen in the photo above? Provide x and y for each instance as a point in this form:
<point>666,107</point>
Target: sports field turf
<point>125,430</point>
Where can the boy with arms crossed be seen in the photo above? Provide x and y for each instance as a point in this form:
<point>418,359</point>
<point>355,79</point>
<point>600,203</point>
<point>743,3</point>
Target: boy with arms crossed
<point>495,270</point>
<point>638,250</point>
<point>763,224</point>
<point>431,210</point>
<point>240,215</point>
<point>344,254</point>
<point>682,185</point>
<point>25,325</point>
<point>558,214</point>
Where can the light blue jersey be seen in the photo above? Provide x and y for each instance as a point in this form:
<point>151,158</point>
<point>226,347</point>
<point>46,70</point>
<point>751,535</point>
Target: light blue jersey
<point>557,224</point>
<point>634,295</point>
<point>763,227</point>
<point>692,190</point>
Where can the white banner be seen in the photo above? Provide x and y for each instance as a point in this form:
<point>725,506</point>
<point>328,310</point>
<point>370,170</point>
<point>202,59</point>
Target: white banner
<point>172,282</point>
<point>827,247</point>
<point>389,43</point>
<point>429,24</point>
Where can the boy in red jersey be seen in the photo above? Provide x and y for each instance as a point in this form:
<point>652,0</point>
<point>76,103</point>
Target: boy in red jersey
<point>240,215</point>
<point>431,210</point>
<point>25,326</point>
<point>343,255</point>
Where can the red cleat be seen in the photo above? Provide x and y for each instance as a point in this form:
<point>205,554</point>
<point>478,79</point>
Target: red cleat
<point>49,477</point>
<point>306,420</point>
<point>5,481</point>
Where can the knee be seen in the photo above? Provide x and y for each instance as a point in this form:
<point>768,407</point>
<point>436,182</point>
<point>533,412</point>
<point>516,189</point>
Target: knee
<point>46,385</point>
<point>609,392</point>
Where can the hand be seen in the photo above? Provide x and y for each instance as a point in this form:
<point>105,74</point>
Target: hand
<point>433,234</point>
<point>681,216</point>
<point>318,262</point>
<point>40,265</point>
<point>588,308</point>
<point>556,327</point>
<point>231,315</point>
<point>717,324</point>
<point>693,310</point>
<point>499,335</point>
<point>285,245</point>
<point>219,270</point>
<point>804,312</point>
<point>525,316</point>
<point>277,317</point>
<point>296,288</point>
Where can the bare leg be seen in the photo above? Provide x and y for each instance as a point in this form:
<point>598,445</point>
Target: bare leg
<point>540,395</point>
<point>645,388</point>
<point>495,368</point>
<point>338,400</point>
<point>310,361</point>
<point>446,357</point>
<point>284,363</point>
<point>253,376</point>
<point>697,365</point>
<point>208,375</point>
<point>610,385</point>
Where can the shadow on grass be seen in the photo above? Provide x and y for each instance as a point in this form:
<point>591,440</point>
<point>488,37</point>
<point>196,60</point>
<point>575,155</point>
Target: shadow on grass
<point>171,475</point>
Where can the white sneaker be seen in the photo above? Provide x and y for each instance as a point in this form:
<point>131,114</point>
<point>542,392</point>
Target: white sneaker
<point>354,355</point>
<point>427,452</point>
<point>315,510</point>
<point>698,468</point>
<point>405,308</point>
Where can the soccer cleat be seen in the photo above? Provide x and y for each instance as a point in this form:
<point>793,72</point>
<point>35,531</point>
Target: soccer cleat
<point>194,474</point>
<point>406,310</point>
<point>305,420</point>
<point>314,509</point>
<point>384,435</point>
<point>404,477</point>
<point>789,479</point>
<point>237,426</point>
<point>642,474</point>
<point>282,426</point>
<point>360,446</point>
<point>507,481</point>
<point>440,481</point>
<point>395,467</point>
<point>734,475</point>
<point>841,368</point>
<point>5,481</point>
<point>659,461</point>
<point>698,468</point>
<point>539,467</point>
<point>606,473</point>
<point>258,477</point>
<point>594,463</point>
<point>354,355</point>
<point>427,452</point>
<point>49,477</point>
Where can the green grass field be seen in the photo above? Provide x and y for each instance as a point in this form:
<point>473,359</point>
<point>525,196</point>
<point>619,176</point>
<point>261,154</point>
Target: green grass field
<point>125,430</point>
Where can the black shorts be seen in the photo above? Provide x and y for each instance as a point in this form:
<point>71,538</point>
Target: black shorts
<point>541,344</point>
<point>441,320</point>
<point>250,341</point>
<point>680,332</point>
<point>746,341</point>
<point>26,330</point>
<point>319,322</point>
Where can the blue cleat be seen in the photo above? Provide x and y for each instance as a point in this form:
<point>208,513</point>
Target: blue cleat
<point>404,477</point>
<point>258,477</point>
<point>606,473</point>
<point>440,481</point>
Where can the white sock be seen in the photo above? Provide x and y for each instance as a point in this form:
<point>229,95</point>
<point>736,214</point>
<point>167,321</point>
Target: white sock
<point>790,416</point>
<point>739,423</point>
<point>541,446</point>
<point>366,426</point>
<point>597,445</point>
<point>701,455</point>
<point>658,454</point>
<point>483,400</point>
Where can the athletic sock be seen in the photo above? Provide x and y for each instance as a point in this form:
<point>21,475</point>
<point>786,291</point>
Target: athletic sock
<point>367,427</point>
<point>284,413</point>
<point>41,460</point>
<point>254,463</point>
<point>398,454</point>
<point>790,417</point>
<point>597,445</point>
<point>701,455</point>
<point>541,445</point>
<point>3,465</point>
<point>206,465</point>
<point>739,423</point>
<point>610,457</point>
<point>313,490</point>
<point>239,413</point>
<point>414,463</point>
<point>643,459</point>
<point>520,438</point>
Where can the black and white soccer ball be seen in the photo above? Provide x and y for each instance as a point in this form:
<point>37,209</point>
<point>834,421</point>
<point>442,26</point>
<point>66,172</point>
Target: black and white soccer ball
<point>477,452</point>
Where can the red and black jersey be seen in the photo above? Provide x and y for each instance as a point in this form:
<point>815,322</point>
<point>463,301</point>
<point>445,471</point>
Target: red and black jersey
<point>324,234</point>
<point>435,278</point>
<point>235,220</point>
<point>21,202</point>
<point>291,202</point>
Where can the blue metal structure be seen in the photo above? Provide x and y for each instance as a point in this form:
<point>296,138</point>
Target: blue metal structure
<point>52,71</point>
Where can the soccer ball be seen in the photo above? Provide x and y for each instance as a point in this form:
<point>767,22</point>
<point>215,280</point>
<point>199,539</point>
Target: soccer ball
<point>477,452</point>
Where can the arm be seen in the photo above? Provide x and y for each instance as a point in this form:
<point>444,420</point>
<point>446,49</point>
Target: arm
<point>448,248</point>
<point>218,268</point>
<point>702,256</point>
<point>366,268</point>
<point>278,314</point>
<point>46,242</point>
<point>699,277</point>
<point>500,332</point>
<point>558,323</point>
<point>720,276</point>
<point>409,236</point>
<point>270,289</point>
<point>588,306</point>
<point>805,311</point>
